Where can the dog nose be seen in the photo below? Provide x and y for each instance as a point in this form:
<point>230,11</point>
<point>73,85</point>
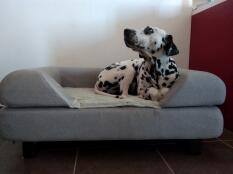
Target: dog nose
<point>129,32</point>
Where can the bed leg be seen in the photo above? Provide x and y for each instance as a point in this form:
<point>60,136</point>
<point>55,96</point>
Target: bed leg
<point>191,146</point>
<point>29,149</point>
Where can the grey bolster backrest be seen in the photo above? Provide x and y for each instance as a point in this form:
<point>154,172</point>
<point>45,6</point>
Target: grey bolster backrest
<point>42,87</point>
<point>195,88</point>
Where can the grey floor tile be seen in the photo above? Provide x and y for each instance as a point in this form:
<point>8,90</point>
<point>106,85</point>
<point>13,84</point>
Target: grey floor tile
<point>46,162</point>
<point>227,135</point>
<point>51,162</point>
<point>216,158</point>
<point>123,160</point>
<point>11,161</point>
<point>1,142</point>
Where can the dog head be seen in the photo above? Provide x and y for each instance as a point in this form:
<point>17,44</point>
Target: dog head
<point>150,42</point>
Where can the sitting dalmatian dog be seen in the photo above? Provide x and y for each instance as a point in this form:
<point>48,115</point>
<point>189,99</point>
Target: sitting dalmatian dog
<point>151,76</point>
<point>158,71</point>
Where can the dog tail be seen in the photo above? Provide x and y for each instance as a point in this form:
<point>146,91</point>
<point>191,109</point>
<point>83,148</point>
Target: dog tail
<point>97,91</point>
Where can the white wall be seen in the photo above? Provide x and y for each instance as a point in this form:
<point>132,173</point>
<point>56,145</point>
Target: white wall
<point>87,33</point>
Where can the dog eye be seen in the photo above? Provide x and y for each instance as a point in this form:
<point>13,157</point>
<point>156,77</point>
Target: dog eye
<point>141,47</point>
<point>155,43</point>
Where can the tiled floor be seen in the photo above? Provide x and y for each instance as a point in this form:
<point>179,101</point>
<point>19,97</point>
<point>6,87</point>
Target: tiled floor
<point>119,158</point>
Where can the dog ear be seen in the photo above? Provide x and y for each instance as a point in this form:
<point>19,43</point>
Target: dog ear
<point>170,48</point>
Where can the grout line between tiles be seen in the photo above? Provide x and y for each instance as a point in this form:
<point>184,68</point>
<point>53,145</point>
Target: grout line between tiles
<point>225,139</point>
<point>75,162</point>
<point>225,143</point>
<point>165,161</point>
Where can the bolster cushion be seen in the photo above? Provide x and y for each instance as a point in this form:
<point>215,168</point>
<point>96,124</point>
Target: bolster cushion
<point>195,88</point>
<point>31,88</point>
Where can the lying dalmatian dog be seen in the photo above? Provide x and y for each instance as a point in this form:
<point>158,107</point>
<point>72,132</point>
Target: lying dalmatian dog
<point>150,76</point>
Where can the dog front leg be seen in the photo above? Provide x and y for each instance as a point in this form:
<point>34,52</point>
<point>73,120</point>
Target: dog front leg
<point>162,93</point>
<point>124,87</point>
<point>153,93</point>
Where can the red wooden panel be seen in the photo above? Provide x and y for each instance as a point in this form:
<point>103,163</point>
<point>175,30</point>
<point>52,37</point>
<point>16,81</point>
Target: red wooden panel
<point>211,48</point>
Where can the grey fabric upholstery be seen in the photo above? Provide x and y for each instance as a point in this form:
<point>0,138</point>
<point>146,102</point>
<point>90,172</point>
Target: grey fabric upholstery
<point>41,87</point>
<point>197,88</point>
<point>51,124</point>
<point>31,88</point>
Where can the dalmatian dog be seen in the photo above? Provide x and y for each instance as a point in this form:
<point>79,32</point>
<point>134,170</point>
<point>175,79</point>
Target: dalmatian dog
<point>158,72</point>
<point>150,76</point>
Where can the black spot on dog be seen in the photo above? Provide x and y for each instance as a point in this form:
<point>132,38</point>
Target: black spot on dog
<point>148,30</point>
<point>158,63</point>
<point>152,72</point>
<point>109,85</point>
<point>172,82</point>
<point>158,49</point>
<point>149,97</point>
<point>155,43</point>
<point>135,67</point>
<point>111,66</point>
<point>158,73</point>
<point>177,75</point>
<point>123,67</point>
<point>148,79</point>
<point>148,48</point>
<point>152,51</point>
<point>146,90</point>
<point>141,56</point>
<point>163,39</point>
<point>167,72</point>
<point>164,84</point>
<point>100,85</point>
<point>157,86</point>
<point>143,68</point>
<point>162,70</point>
<point>121,78</point>
<point>172,61</point>
<point>108,68</point>
<point>172,66</point>
<point>115,77</point>
<point>117,96</point>
<point>169,86</point>
<point>106,83</point>
<point>142,77</point>
<point>100,76</point>
<point>166,78</point>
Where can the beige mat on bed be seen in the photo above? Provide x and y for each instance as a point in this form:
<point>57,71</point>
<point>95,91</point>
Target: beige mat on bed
<point>86,98</point>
